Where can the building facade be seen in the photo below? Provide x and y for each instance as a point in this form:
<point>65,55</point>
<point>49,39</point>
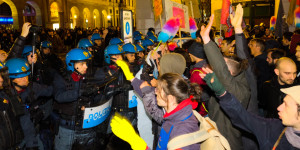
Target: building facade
<point>65,13</point>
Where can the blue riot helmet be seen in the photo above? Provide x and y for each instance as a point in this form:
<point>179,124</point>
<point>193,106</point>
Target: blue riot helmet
<point>17,68</point>
<point>129,48</point>
<point>84,43</point>
<point>138,38</point>
<point>147,42</point>
<point>26,51</point>
<point>96,36</point>
<point>115,41</point>
<point>112,50</point>
<point>150,33</point>
<point>46,44</point>
<point>75,55</point>
<point>136,33</point>
<point>1,65</point>
<point>153,38</point>
<point>139,47</point>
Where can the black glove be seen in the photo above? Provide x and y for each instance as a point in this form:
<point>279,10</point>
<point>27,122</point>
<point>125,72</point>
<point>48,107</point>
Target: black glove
<point>36,114</point>
<point>147,70</point>
<point>89,89</point>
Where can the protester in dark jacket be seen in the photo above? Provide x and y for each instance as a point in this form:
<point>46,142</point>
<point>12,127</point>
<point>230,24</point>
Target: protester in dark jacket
<point>270,133</point>
<point>249,141</point>
<point>17,48</point>
<point>286,72</point>
<point>232,76</point>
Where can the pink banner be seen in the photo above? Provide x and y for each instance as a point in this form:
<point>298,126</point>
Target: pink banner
<point>178,12</point>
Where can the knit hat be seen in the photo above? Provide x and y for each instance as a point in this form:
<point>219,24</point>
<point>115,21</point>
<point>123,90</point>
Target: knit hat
<point>197,50</point>
<point>293,92</point>
<point>172,63</point>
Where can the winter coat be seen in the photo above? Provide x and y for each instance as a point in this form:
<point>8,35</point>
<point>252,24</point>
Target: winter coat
<point>17,48</point>
<point>266,131</point>
<point>273,97</point>
<point>262,73</point>
<point>237,85</point>
<point>181,119</point>
<point>242,52</point>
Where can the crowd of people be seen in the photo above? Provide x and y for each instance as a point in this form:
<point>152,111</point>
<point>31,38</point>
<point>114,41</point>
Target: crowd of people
<point>86,89</point>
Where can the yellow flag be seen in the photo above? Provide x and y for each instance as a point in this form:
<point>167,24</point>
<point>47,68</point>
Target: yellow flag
<point>157,4</point>
<point>177,1</point>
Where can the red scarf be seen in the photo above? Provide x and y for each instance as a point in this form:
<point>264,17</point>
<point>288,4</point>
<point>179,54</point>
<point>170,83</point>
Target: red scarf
<point>181,105</point>
<point>76,77</point>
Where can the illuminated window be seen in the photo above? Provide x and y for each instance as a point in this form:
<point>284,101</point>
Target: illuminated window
<point>55,26</point>
<point>54,9</point>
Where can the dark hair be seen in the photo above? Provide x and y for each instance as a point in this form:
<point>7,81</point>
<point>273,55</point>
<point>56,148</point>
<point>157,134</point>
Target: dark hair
<point>236,64</point>
<point>229,39</point>
<point>288,35</point>
<point>277,53</point>
<point>260,43</point>
<point>187,44</point>
<point>174,84</point>
<point>298,44</point>
<point>297,31</point>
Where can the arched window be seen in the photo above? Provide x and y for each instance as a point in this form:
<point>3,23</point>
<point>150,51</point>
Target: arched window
<point>54,10</point>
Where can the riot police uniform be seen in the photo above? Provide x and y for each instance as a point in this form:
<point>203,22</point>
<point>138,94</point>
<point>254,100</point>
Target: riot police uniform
<point>132,49</point>
<point>77,100</point>
<point>98,50</point>
<point>19,68</point>
<point>122,98</point>
<point>11,134</point>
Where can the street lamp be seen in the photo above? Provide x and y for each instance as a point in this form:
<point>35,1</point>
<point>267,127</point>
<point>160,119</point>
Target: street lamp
<point>74,20</point>
<point>95,20</point>
<point>109,21</point>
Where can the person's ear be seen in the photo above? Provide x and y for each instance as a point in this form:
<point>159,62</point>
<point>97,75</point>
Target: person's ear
<point>276,71</point>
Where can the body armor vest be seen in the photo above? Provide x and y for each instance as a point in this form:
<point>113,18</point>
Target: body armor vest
<point>10,130</point>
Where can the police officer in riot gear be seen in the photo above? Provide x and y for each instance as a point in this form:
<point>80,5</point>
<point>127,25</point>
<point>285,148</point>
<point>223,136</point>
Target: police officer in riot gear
<point>148,44</point>
<point>49,59</point>
<point>141,54</point>
<point>75,96</point>
<point>85,44</point>
<point>29,93</point>
<point>10,111</point>
<point>98,49</point>
<point>131,57</point>
<point>121,99</point>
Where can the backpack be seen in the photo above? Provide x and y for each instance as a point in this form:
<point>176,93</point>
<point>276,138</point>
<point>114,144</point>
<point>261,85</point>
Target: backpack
<point>208,136</point>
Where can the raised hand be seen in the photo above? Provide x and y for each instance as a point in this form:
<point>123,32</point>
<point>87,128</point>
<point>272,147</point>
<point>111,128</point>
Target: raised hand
<point>25,29</point>
<point>124,66</point>
<point>205,30</point>
<point>212,81</point>
<point>237,19</point>
<point>123,129</point>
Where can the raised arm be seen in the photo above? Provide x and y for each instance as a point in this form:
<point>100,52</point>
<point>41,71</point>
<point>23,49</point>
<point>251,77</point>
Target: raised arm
<point>17,48</point>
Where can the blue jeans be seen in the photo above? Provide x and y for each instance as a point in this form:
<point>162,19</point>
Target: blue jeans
<point>131,116</point>
<point>65,138</point>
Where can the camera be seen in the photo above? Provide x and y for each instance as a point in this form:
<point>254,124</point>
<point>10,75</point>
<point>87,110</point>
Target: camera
<point>35,28</point>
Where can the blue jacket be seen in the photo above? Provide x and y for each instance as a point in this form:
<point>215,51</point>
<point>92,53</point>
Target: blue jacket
<point>178,122</point>
<point>30,135</point>
<point>265,130</point>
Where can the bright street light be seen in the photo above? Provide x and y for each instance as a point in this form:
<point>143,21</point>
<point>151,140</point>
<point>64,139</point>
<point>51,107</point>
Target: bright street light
<point>108,17</point>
